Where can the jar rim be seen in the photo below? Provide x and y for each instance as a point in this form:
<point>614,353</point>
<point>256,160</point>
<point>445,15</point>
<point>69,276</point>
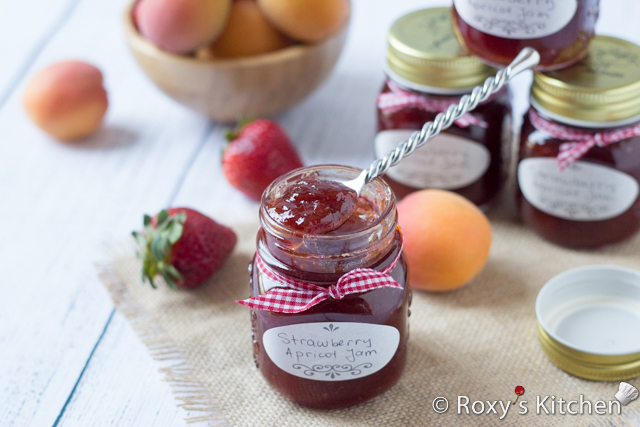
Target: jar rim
<point>329,253</point>
<point>269,224</point>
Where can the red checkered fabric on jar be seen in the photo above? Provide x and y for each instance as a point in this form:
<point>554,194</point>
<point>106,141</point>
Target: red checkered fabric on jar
<point>581,141</point>
<point>294,296</point>
<point>398,98</point>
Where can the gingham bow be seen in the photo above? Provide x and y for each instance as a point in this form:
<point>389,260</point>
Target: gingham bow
<point>296,296</point>
<point>583,141</point>
<point>398,98</point>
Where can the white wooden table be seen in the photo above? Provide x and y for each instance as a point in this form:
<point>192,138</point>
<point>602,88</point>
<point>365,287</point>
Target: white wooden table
<point>67,358</point>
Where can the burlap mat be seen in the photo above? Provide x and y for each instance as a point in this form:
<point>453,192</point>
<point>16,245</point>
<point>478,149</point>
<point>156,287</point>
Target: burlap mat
<point>479,341</point>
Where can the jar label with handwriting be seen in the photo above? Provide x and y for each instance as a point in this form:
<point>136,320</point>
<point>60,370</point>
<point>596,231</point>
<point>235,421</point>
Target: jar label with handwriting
<point>582,192</point>
<point>448,162</point>
<point>331,351</point>
<point>517,19</point>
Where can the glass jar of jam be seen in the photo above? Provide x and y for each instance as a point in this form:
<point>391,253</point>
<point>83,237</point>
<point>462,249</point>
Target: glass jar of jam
<point>427,71</point>
<point>341,351</point>
<point>579,165</point>
<point>497,31</point>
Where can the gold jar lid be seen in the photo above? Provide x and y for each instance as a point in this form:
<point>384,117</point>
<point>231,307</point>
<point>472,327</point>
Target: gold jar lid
<point>588,318</point>
<point>603,87</point>
<point>590,366</point>
<point>423,50</point>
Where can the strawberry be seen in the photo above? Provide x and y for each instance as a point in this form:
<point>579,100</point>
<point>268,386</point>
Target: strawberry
<point>183,246</point>
<point>257,154</point>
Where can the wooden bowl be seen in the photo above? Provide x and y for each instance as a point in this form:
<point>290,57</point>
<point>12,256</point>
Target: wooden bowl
<point>226,89</point>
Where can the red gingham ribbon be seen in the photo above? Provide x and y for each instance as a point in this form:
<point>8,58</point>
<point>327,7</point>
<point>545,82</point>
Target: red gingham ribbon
<point>398,98</point>
<point>297,296</point>
<point>583,140</point>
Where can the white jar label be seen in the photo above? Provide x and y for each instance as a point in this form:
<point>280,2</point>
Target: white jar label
<point>517,19</point>
<point>582,192</point>
<point>331,351</point>
<point>447,161</point>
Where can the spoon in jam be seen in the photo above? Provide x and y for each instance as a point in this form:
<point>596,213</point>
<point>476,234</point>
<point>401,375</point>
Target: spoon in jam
<point>321,206</point>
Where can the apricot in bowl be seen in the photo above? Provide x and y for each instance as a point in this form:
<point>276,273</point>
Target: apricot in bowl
<point>181,26</point>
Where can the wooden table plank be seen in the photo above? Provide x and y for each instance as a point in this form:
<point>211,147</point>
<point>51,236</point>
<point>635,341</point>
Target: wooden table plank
<point>134,393</point>
<point>60,201</point>
<point>27,26</point>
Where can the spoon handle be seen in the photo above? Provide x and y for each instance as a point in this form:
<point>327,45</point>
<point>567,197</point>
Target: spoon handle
<point>526,59</point>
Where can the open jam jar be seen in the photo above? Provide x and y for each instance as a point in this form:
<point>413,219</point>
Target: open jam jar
<point>579,168</point>
<point>427,71</point>
<point>497,31</point>
<point>341,351</point>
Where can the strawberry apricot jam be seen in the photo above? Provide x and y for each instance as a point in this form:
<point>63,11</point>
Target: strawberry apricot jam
<point>316,206</point>
<point>495,32</point>
<point>340,352</point>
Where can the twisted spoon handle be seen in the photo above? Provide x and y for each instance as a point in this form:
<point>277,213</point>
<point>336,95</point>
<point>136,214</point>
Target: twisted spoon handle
<point>526,59</point>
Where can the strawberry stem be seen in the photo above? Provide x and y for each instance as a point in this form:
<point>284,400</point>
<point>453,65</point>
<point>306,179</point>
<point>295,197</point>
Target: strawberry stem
<point>232,134</point>
<point>155,244</point>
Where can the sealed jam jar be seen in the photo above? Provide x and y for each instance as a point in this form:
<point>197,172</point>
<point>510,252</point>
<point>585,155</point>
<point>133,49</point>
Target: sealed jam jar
<point>427,71</point>
<point>579,163</point>
<point>331,329</point>
<point>497,30</point>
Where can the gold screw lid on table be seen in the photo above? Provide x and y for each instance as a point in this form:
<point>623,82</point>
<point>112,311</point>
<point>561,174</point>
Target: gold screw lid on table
<point>588,318</point>
<point>588,365</point>
<point>603,87</point>
<point>423,50</point>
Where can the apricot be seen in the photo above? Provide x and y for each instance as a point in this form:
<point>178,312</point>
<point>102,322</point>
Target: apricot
<point>181,26</point>
<point>446,239</point>
<point>247,33</point>
<point>66,100</point>
<point>307,20</point>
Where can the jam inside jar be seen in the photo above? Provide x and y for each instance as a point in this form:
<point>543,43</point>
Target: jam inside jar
<point>496,32</point>
<point>340,352</point>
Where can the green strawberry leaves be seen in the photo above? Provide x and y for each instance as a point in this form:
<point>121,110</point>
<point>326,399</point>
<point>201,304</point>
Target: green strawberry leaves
<point>155,245</point>
<point>232,134</point>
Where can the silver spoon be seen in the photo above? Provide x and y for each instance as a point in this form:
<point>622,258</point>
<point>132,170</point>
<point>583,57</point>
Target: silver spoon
<point>333,216</point>
<point>526,59</point>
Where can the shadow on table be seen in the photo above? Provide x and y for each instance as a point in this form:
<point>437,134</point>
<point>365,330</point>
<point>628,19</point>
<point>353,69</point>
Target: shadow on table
<point>109,137</point>
<point>498,282</point>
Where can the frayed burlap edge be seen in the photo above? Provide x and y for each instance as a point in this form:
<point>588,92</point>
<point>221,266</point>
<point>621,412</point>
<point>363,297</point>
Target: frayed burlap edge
<point>190,393</point>
<point>194,395</point>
